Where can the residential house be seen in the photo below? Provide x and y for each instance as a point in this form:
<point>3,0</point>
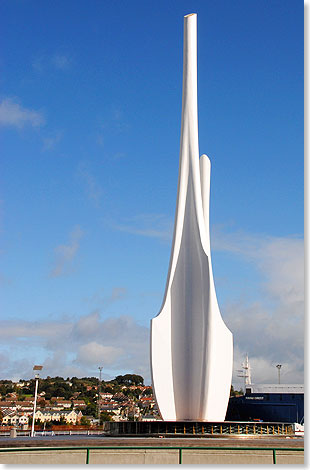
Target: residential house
<point>112,408</point>
<point>65,404</point>
<point>14,418</point>
<point>5,405</point>
<point>147,402</point>
<point>10,417</point>
<point>25,406</point>
<point>149,417</point>
<point>134,412</point>
<point>79,404</point>
<point>46,415</point>
<point>136,387</point>
<point>70,416</point>
<point>106,396</point>
<point>23,419</point>
<point>91,419</point>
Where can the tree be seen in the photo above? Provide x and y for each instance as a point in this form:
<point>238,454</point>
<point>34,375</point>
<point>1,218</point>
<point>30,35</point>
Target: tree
<point>105,416</point>
<point>84,421</point>
<point>134,394</point>
<point>61,421</point>
<point>91,409</point>
<point>129,379</point>
<point>235,393</point>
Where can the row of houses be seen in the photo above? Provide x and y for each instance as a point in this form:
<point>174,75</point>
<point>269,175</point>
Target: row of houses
<point>118,405</point>
<point>123,408</point>
<point>55,404</point>
<point>16,412</point>
<point>11,417</point>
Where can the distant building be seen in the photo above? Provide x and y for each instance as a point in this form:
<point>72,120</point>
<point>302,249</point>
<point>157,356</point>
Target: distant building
<point>147,402</point>
<point>150,418</point>
<point>79,404</point>
<point>71,417</point>
<point>106,396</point>
<point>5,405</point>
<point>282,403</point>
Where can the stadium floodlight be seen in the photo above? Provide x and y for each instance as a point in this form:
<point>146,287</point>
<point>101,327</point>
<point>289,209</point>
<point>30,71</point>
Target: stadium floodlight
<point>36,367</point>
<point>278,366</point>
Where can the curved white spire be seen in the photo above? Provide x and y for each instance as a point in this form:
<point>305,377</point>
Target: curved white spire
<point>191,348</point>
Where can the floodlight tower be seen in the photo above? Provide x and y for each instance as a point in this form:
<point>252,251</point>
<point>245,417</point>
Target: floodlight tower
<point>37,376</point>
<point>99,392</point>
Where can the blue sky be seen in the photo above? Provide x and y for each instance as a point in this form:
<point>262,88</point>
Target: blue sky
<point>90,113</point>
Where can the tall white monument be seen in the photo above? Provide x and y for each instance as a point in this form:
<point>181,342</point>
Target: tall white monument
<point>191,347</point>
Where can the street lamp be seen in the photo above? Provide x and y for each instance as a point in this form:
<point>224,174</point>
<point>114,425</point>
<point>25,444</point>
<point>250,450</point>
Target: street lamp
<point>278,366</point>
<point>35,397</point>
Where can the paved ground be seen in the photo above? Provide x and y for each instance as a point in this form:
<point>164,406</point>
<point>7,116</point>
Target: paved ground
<point>74,441</point>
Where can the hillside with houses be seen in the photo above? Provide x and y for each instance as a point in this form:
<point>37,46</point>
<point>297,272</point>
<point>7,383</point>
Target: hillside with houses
<point>76,401</point>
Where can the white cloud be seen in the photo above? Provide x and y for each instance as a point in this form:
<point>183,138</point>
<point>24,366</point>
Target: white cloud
<point>280,260</point>
<point>23,329</point>
<point>74,347</point>
<point>66,253</point>
<point>49,142</point>
<point>102,299</point>
<point>117,294</point>
<point>96,353</point>
<point>14,115</point>
<point>92,188</point>
<point>45,62</point>
<point>147,225</point>
<point>61,62</point>
<point>270,328</point>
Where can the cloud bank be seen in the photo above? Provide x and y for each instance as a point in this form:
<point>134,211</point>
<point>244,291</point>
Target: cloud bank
<point>269,327</point>
<point>75,347</point>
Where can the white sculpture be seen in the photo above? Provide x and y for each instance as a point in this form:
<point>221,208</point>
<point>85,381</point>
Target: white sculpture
<point>191,347</point>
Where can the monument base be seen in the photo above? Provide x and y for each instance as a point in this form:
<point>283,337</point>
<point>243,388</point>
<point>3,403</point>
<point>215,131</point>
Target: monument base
<point>195,428</point>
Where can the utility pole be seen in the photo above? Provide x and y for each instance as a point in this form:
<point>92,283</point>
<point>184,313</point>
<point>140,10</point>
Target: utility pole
<point>278,366</point>
<point>99,392</point>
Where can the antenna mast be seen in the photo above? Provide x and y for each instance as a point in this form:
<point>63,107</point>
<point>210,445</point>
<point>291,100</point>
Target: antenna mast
<point>246,371</point>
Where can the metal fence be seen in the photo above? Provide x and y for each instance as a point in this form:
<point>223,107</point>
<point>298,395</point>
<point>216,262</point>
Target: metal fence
<point>82,432</point>
<point>170,428</point>
<point>180,449</point>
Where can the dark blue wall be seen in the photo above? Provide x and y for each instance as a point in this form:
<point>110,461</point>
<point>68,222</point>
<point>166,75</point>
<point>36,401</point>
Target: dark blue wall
<point>283,408</point>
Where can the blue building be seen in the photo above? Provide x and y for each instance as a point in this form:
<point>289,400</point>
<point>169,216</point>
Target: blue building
<point>283,403</point>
